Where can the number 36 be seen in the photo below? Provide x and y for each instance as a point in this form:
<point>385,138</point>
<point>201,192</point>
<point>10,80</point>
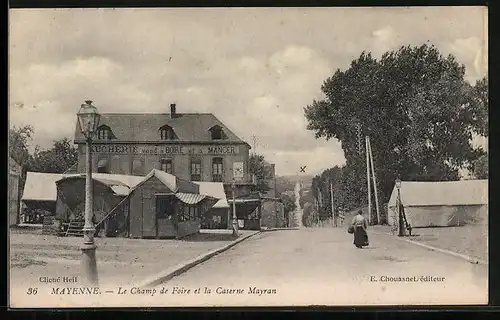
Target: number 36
<point>32,291</point>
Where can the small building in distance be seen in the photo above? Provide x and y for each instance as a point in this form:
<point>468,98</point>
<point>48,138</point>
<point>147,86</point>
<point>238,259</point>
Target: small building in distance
<point>273,214</point>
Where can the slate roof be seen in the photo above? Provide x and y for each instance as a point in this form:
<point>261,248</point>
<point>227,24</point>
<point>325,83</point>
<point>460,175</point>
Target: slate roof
<point>144,127</point>
<point>441,193</point>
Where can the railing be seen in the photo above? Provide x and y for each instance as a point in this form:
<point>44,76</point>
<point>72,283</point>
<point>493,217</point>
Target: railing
<point>217,178</point>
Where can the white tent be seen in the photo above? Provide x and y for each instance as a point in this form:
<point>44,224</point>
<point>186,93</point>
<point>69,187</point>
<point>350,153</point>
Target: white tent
<point>215,190</point>
<point>441,203</point>
<point>41,186</point>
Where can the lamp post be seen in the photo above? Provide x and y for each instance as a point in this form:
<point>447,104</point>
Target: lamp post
<point>88,118</point>
<point>235,218</point>
<point>400,212</point>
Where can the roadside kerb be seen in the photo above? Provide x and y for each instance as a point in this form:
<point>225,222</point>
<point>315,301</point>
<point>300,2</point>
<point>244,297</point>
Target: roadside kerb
<point>431,248</point>
<point>277,229</point>
<point>184,266</point>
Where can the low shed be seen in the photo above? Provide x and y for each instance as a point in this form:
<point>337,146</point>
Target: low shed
<point>165,206</point>
<point>442,203</point>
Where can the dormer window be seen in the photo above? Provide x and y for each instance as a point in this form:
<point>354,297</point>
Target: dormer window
<point>104,133</point>
<point>167,133</point>
<point>217,133</point>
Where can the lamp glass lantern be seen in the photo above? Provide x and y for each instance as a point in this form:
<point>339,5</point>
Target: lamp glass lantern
<point>88,118</point>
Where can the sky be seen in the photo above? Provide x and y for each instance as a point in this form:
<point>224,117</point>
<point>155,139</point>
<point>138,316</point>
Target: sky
<point>254,69</point>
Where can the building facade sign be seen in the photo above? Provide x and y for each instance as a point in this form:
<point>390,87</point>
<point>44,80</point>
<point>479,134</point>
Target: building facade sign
<point>238,172</point>
<point>166,149</point>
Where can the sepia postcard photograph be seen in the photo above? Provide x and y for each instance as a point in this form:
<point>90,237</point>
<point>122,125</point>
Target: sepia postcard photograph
<point>248,157</point>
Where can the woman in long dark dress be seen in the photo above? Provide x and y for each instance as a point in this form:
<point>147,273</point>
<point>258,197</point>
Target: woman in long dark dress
<point>360,225</point>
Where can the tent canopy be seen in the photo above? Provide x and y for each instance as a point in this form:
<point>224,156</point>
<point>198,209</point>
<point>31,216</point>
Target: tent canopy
<point>41,186</point>
<point>215,190</point>
<point>441,203</point>
<point>441,193</point>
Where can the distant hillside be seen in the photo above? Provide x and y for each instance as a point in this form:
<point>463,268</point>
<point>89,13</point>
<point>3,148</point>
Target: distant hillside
<point>305,179</point>
<point>285,183</point>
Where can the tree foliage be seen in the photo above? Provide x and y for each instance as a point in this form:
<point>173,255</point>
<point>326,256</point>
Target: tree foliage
<point>58,159</point>
<point>288,203</point>
<point>261,170</point>
<point>19,139</point>
<point>283,184</point>
<point>416,107</point>
<point>481,167</point>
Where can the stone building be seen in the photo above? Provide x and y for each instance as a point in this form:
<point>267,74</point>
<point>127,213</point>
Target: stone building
<point>195,147</point>
<point>191,146</point>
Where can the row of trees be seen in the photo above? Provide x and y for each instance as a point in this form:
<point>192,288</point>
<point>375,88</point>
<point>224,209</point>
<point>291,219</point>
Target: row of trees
<point>419,112</point>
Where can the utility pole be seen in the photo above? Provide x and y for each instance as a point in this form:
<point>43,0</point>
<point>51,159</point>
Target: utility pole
<point>374,180</point>
<point>368,181</point>
<point>334,216</point>
<point>254,139</point>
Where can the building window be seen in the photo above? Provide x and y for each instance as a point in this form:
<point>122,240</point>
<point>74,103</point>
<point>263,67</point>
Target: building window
<point>165,207</point>
<point>166,165</point>
<point>103,133</point>
<point>195,169</point>
<point>137,167</point>
<point>167,133</point>
<point>217,169</point>
<point>217,133</point>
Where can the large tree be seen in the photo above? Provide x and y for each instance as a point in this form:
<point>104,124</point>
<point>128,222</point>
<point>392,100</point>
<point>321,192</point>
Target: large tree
<point>19,138</point>
<point>261,170</point>
<point>416,107</point>
<point>57,159</point>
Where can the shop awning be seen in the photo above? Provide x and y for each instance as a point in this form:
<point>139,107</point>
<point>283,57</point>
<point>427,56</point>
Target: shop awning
<point>190,198</point>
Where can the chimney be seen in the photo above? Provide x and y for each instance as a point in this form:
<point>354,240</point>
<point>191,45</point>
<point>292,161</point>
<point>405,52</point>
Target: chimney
<point>172,111</point>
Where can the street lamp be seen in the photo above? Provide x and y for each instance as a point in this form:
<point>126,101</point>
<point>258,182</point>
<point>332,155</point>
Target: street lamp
<point>88,118</point>
<point>400,212</point>
<point>235,218</point>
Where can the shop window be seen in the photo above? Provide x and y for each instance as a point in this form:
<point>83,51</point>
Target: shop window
<point>195,169</point>
<point>166,165</point>
<point>104,133</point>
<point>167,133</point>
<point>165,207</point>
<point>217,169</point>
